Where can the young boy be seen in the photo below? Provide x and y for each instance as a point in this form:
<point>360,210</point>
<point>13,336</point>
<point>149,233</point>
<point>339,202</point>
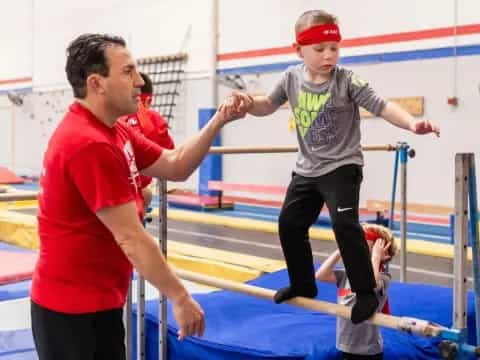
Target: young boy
<point>151,125</point>
<point>362,341</point>
<point>325,99</point>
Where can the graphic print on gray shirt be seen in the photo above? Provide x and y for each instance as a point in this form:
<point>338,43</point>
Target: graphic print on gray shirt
<point>363,338</point>
<point>327,117</point>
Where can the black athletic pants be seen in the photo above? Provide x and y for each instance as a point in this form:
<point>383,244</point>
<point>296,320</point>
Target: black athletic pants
<point>305,197</point>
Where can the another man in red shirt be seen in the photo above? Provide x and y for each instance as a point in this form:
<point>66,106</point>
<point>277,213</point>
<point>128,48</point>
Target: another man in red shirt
<point>152,125</point>
<point>90,210</point>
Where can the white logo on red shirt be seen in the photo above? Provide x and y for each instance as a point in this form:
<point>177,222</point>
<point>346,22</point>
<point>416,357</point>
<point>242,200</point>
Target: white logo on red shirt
<point>132,121</point>
<point>132,165</point>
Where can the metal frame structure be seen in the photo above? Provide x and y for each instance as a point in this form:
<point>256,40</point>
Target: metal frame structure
<point>454,344</point>
<point>166,73</point>
<point>402,150</point>
<point>162,308</point>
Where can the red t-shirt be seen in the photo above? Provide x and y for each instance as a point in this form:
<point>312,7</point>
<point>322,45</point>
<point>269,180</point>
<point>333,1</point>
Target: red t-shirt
<point>150,124</point>
<point>87,166</point>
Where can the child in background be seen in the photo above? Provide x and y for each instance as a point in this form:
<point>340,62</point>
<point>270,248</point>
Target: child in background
<point>153,126</point>
<point>362,341</point>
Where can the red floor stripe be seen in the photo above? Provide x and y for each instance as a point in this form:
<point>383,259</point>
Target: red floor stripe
<point>15,81</point>
<point>362,41</point>
<point>194,199</point>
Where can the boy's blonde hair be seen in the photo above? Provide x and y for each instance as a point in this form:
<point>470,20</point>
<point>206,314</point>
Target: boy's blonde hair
<point>313,17</point>
<point>385,234</point>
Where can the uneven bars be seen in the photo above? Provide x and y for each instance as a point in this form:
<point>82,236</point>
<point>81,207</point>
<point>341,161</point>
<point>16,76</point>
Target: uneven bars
<point>411,325</point>
<point>283,149</point>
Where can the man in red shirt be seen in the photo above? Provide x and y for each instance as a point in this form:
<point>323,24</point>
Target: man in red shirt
<point>152,125</point>
<point>90,210</point>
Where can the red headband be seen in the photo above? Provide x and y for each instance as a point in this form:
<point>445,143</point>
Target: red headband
<point>145,97</point>
<point>319,33</point>
<point>371,235</point>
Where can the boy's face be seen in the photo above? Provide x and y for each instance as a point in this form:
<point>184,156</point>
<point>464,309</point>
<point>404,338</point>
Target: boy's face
<point>320,59</point>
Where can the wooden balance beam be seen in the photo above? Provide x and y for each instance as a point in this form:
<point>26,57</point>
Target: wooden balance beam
<point>411,325</point>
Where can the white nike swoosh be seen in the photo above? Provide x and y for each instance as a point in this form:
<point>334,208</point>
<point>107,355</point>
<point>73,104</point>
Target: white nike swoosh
<point>339,209</point>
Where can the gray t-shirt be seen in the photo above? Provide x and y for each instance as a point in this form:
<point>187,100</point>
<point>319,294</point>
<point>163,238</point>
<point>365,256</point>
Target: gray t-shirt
<point>327,117</point>
<point>363,338</point>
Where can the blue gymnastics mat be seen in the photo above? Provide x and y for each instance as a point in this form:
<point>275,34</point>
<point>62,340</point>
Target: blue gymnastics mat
<point>243,327</point>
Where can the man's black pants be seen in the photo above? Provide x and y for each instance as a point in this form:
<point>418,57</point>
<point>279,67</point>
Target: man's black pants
<point>93,336</point>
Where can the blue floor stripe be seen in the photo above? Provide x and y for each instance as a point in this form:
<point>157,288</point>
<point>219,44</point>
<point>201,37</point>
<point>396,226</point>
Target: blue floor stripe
<point>409,55</point>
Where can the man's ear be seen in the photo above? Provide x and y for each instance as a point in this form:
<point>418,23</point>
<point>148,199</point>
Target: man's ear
<point>95,84</point>
<point>298,49</point>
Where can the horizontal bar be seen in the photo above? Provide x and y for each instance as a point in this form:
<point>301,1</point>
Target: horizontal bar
<point>284,149</point>
<point>18,196</point>
<point>157,59</point>
<point>267,189</point>
<point>420,327</point>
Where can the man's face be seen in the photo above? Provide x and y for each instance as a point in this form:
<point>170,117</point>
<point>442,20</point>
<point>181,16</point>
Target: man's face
<point>122,85</point>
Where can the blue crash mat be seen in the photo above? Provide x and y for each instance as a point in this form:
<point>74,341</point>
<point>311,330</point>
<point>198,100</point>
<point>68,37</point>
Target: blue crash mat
<point>243,327</point>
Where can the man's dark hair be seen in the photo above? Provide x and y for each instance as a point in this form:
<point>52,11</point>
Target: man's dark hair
<point>148,87</point>
<point>86,56</point>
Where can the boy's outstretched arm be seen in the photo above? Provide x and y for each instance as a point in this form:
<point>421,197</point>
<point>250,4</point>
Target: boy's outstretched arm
<point>255,105</point>
<point>325,272</point>
<point>397,116</point>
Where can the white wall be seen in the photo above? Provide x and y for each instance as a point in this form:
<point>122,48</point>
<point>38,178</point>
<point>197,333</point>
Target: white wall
<point>6,122</point>
<point>36,33</point>
<point>431,178</point>
<point>268,23</point>
<point>35,121</point>
<point>16,40</point>
<point>151,28</point>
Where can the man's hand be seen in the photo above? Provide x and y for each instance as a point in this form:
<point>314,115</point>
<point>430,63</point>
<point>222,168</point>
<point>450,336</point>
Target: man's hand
<point>236,106</point>
<point>425,127</point>
<point>189,316</point>
<point>244,101</point>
